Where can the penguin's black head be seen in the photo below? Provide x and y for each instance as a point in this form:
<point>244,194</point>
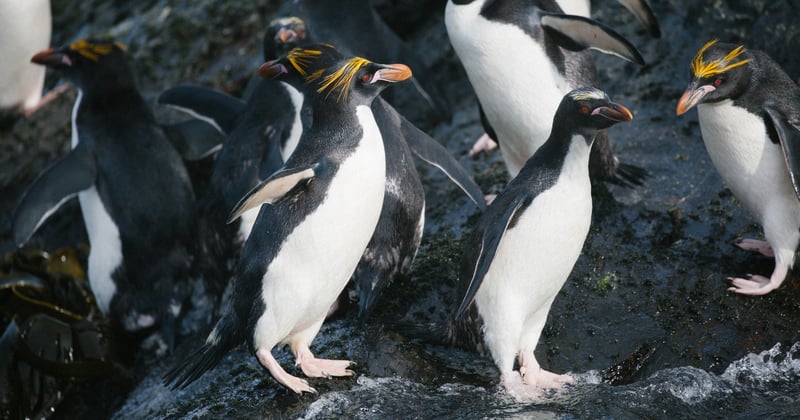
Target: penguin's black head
<point>301,66</point>
<point>358,79</point>
<point>330,76</point>
<point>282,35</point>
<point>89,63</point>
<point>719,71</point>
<point>588,110</point>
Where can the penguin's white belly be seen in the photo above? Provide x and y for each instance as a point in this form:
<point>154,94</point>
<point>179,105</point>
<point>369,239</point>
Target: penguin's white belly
<point>318,257</point>
<point>518,86</point>
<point>105,255</point>
<point>25,30</point>
<point>751,165</point>
<point>535,257</point>
<point>106,248</point>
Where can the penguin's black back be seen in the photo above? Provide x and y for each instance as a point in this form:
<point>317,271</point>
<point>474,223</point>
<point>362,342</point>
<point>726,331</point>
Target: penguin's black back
<point>767,83</point>
<point>137,169</point>
<point>576,66</point>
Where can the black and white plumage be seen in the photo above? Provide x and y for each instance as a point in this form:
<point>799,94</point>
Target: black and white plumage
<point>135,194</point>
<point>321,210</point>
<point>397,236</point>
<point>526,243</point>
<point>394,244</point>
<point>25,28</point>
<point>259,135</point>
<point>749,112</point>
<point>639,8</point>
<point>355,28</point>
<point>521,57</point>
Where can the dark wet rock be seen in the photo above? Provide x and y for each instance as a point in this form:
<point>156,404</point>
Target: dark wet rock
<point>653,268</point>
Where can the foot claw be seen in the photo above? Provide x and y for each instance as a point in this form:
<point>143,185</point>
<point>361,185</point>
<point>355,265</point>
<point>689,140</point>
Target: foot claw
<point>753,285</point>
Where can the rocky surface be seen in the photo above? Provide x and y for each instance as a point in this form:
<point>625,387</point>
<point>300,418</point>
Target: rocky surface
<point>652,272</point>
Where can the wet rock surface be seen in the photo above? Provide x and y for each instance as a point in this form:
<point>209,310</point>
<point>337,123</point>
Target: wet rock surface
<point>652,272</point>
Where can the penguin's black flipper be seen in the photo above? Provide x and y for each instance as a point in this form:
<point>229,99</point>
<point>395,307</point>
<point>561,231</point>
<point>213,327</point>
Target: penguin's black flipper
<point>576,33</point>
<point>194,139</point>
<point>72,174</point>
<point>430,151</point>
<point>212,106</point>
<point>273,188</point>
<point>789,137</point>
<point>641,9</point>
<point>482,246</point>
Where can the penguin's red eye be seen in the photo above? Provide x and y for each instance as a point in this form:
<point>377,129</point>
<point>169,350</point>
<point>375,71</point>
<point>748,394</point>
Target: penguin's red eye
<point>366,77</point>
<point>717,82</point>
<point>585,109</point>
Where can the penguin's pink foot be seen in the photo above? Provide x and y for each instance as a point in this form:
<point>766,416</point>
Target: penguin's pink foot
<point>489,198</point>
<point>484,144</point>
<point>294,383</point>
<point>514,385</point>
<point>759,285</point>
<point>753,285</point>
<point>321,368</point>
<point>541,378</point>
<point>533,375</point>
<point>761,247</point>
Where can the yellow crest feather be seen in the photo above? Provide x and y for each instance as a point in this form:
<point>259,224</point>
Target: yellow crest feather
<point>341,78</point>
<point>93,51</point>
<point>701,69</point>
<point>300,58</point>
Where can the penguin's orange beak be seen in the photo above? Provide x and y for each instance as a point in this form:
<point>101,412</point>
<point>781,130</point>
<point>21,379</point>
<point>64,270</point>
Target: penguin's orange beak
<point>692,97</point>
<point>614,112</point>
<point>52,58</point>
<point>392,73</point>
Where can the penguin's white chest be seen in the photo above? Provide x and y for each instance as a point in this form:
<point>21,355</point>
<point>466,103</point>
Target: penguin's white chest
<point>318,257</point>
<point>750,164</point>
<point>518,86</point>
<point>536,256</point>
<point>106,248</point>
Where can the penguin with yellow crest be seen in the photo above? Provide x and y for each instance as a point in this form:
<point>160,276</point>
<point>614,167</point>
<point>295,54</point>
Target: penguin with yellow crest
<point>749,112</point>
<point>321,211</point>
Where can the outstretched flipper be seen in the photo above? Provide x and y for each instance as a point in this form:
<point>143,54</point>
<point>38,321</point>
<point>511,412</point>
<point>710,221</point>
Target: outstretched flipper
<point>576,33</point>
<point>273,189</point>
<point>641,9</point>
<point>194,139</point>
<point>789,137</point>
<point>72,174</point>
<point>212,106</point>
<point>482,246</point>
<point>432,152</point>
